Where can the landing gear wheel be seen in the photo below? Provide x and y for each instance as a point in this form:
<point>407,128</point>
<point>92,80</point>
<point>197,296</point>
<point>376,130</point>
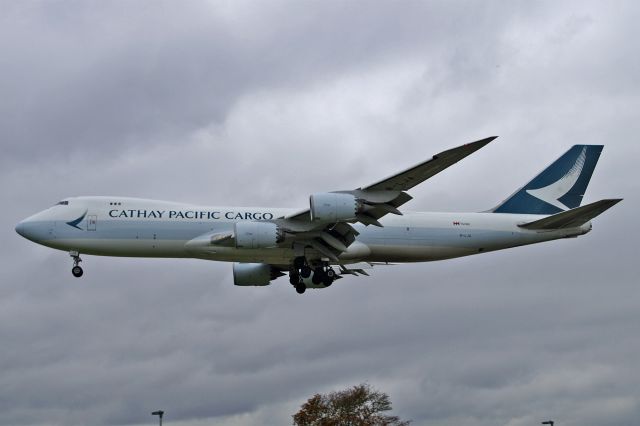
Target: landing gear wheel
<point>318,276</point>
<point>305,271</point>
<point>301,288</point>
<point>327,280</point>
<point>77,271</point>
<point>328,276</point>
<point>294,279</point>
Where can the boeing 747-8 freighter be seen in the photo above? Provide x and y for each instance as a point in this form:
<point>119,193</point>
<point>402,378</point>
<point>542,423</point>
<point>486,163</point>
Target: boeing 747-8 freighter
<point>341,232</point>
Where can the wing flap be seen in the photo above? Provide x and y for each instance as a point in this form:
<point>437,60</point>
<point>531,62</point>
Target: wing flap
<point>355,269</point>
<point>574,217</point>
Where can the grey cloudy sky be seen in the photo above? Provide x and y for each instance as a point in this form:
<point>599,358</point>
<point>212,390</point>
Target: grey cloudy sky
<point>262,103</point>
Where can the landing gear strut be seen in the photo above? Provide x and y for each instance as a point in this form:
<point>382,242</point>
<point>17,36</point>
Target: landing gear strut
<point>299,271</point>
<point>76,270</point>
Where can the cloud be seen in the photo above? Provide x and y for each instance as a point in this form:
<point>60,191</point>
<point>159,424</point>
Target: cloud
<point>242,104</point>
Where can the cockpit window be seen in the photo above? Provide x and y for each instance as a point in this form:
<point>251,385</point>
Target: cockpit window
<point>62,203</point>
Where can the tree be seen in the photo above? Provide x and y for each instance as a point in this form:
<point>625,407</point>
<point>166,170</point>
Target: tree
<point>360,405</point>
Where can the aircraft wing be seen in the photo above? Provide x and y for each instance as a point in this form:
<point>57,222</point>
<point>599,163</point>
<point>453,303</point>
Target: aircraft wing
<point>386,195</point>
<point>417,174</point>
<point>368,204</point>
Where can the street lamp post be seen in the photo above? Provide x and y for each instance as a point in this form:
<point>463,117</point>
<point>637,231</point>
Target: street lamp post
<point>160,413</point>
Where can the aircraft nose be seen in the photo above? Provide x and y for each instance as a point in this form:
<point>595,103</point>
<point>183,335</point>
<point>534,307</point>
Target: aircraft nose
<point>32,230</point>
<point>22,228</point>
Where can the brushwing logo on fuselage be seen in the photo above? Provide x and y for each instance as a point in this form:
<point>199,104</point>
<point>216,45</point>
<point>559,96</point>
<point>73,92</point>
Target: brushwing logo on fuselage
<point>75,222</point>
<point>552,193</point>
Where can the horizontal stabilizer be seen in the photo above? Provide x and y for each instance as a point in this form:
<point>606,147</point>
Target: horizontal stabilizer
<point>574,217</point>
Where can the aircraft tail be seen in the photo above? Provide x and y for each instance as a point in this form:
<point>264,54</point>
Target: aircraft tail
<point>559,187</point>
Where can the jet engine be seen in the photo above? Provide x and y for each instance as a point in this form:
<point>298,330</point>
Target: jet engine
<point>255,235</point>
<point>251,274</point>
<point>333,207</point>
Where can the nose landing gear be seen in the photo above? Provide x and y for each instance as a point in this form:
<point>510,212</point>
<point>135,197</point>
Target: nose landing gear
<point>76,271</point>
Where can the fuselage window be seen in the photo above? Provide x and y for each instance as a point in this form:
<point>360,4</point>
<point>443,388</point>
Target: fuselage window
<point>62,203</point>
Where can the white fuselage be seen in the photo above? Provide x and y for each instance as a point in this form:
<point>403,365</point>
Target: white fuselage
<point>118,226</point>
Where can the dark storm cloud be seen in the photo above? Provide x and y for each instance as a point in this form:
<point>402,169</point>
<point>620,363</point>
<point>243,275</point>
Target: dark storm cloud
<point>244,104</point>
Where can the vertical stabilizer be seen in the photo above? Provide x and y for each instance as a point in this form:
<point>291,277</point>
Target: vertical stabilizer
<point>557,188</point>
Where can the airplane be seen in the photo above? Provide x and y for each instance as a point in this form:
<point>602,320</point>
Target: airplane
<point>340,233</point>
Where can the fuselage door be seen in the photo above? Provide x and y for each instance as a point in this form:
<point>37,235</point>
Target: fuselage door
<point>92,221</point>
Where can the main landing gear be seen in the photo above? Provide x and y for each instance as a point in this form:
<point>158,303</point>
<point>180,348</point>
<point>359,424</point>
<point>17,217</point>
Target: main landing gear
<point>296,277</point>
<point>76,270</point>
<point>322,275</point>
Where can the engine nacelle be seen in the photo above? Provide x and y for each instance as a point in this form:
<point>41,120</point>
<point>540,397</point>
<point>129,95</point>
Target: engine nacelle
<point>251,274</point>
<point>333,207</point>
<point>254,235</point>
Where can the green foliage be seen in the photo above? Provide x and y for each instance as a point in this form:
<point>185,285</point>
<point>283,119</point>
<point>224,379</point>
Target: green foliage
<point>360,405</point>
